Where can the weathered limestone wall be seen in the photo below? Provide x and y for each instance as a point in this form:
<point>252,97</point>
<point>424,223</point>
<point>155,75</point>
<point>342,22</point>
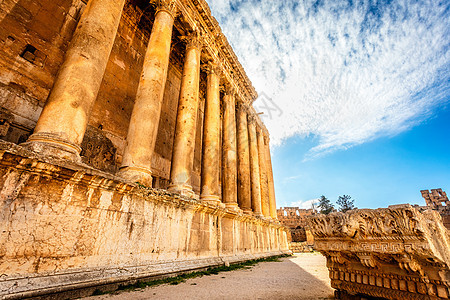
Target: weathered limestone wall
<point>295,219</point>
<point>27,77</point>
<point>65,226</point>
<point>392,253</point>
<point>33,38</point>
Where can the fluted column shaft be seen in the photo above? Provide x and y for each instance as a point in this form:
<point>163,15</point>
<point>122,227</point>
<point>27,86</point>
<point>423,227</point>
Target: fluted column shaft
<point>229,152</point>
<point>211,139</point>
<point>263,174</point>
<point>142,131</point>
<point>244,188</point>
<point>272,201</point>
<point>254,168</point>
<point>184,141</point>
<point>63,121</point>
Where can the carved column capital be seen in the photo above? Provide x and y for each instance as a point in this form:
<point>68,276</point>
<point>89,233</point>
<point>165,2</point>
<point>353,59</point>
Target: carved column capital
<point>229,90</point>
<point>168,6</point>
<point>241,106</point>
<point>251,119</point>
<point>193,40</point>
<point>213,67</point>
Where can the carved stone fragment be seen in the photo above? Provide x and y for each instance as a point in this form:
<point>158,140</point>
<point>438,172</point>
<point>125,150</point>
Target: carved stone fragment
<point>98,151</point>
<point>393,253</point>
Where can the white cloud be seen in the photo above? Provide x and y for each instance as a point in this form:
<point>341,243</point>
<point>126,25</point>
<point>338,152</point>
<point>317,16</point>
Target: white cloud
<point>346,74</point>
<point>304,204</point>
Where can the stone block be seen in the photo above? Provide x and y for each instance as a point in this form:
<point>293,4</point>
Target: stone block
<point>397,251</point>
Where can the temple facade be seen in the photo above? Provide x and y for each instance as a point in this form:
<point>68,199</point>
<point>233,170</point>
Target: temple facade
<point>129,146</point>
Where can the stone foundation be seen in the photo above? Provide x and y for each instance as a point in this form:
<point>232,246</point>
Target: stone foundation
<point>390,253</point>
<point>300,247</point>
<point>67,226</point>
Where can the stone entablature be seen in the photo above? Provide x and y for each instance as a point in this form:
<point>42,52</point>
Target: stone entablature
<point>393,253</point>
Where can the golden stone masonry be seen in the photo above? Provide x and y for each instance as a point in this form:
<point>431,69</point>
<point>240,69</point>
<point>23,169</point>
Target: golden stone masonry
<point>130,147</point>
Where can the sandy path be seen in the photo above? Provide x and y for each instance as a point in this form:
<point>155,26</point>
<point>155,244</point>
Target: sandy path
<point>303,276</point>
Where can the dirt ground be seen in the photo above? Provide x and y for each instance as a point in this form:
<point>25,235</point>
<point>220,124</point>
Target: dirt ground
<point>302,276</point>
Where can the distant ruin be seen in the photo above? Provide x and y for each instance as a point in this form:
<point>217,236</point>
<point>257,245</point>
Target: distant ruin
<point>300,237</point>
<point>438,200</point>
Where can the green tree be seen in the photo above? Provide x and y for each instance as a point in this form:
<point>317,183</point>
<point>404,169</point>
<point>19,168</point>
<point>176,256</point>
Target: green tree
<point>345,203</point>
<point>325,206</point>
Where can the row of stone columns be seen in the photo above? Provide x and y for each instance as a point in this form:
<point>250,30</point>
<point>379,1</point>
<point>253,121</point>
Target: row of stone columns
<point>247,180</point>
<point>246,172</point>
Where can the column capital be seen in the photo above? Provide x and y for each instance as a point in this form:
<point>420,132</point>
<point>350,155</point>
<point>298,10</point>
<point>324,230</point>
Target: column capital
<point>229,89</point>
<point>251,119</point>
<point>241,106</point>
<point>213,67</point>
<point>168,6</point>
<point>193,40</point>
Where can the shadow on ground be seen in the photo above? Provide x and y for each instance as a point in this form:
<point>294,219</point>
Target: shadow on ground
<point>303,276</point>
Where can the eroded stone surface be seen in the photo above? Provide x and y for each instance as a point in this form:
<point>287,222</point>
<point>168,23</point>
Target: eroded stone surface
<point>70,225</point>
<point>437,200</point>
<point>393,253</point>
<point>300,237</point>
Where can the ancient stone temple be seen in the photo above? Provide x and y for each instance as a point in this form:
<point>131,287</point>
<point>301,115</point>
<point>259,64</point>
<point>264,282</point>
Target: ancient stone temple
<point>130,147</point>
<point>391,253</point>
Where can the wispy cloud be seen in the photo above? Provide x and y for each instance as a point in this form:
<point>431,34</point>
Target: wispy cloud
<point>307,204</point>
<point>292,178</point>
<point>344,71</point>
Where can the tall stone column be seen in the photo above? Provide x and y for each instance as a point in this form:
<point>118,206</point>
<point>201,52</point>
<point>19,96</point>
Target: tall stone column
<point>263,174</point>
<point>211,138</point>
<point>254,167</point>
<point>229,189</point>
<point>244,189</point>
<point>143,128</point>
<point>184,142</point>
<point>272,201</point>
<point>63,121</point>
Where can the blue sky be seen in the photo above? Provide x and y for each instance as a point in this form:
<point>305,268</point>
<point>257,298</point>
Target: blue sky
<point>362,89</point>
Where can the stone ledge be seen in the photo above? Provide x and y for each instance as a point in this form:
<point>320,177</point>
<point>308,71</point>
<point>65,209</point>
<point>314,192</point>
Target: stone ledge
<point>20,158</point>
<point>46,284</point>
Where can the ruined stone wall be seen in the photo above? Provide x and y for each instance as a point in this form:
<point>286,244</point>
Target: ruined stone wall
<point>77,226</point>
<point>437,199</point>
<point>295,219</point>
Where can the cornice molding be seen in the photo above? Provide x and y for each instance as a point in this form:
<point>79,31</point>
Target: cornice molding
<point>198,14</point>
